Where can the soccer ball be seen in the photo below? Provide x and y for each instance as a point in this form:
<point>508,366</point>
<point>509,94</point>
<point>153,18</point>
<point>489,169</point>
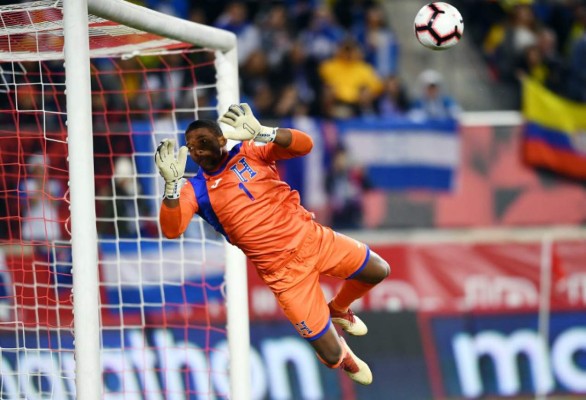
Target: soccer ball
<point>438,26</point>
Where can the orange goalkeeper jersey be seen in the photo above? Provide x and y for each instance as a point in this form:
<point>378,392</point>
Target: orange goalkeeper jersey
<point>247,202</point>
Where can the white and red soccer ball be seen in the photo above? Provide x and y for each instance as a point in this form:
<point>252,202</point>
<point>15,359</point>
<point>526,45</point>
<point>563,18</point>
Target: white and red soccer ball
<point>438,26</point>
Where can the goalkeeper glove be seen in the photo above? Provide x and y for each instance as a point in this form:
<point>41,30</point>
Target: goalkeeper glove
<point>246,126</point>
<point>171,168</point>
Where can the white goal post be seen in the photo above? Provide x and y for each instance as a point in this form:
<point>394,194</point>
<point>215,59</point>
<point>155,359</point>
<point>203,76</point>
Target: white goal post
<point>224,43</point>
<point>84,236</point>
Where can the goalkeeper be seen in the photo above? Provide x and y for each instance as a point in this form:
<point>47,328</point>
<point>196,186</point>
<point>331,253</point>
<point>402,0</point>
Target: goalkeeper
<point>240,194</point>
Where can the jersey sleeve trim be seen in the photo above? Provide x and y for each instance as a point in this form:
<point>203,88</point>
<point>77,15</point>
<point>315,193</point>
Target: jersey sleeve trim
<point>205,209</point>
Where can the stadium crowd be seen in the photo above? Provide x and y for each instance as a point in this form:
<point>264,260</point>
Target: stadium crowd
<point>293,53</point>
<point>545,40</point>
<point>336,59</point>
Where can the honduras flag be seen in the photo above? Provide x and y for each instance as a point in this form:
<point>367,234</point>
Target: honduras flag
<point>404,155</point>
<point>554,135</point>
<point>156,276</point>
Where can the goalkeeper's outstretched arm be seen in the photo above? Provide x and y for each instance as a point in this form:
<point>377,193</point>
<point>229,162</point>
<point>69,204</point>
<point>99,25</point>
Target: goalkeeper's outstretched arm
<point>174,217</point>
<point>246,127</point>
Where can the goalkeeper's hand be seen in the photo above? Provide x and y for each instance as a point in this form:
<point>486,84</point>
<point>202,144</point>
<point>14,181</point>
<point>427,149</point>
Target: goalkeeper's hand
<point>170,167</point>
<point>246,126</point>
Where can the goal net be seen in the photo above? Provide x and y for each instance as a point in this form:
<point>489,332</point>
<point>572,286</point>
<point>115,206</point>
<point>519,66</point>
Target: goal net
<point>161,302</point>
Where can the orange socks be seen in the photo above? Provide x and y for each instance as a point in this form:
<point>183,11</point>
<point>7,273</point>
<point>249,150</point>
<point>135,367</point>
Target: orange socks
<point>350,291</point>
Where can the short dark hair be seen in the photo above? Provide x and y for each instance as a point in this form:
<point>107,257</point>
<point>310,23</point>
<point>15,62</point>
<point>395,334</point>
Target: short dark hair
<point>210,124</point>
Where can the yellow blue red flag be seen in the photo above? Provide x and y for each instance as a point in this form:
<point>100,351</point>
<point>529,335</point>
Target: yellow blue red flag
<point>554,131</point>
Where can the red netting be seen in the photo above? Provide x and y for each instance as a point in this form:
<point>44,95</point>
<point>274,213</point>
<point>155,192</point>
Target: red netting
<point>161,301</point>
<point>38,34</point>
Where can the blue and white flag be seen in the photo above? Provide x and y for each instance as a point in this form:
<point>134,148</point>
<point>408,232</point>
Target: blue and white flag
<point>404,155</point>
<point>150,275</point>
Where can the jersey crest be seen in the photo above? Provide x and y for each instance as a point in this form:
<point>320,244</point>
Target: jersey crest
<point>243,169</point>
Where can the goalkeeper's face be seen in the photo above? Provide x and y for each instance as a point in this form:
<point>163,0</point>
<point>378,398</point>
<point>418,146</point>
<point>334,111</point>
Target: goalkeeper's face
<point>206,148</point>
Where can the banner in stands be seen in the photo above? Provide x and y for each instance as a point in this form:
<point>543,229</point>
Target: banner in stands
<point>165,276</point>
<point>448,277</point>
<point>403,154</point>
<point>554,131</point>
<point>168,363</point>
<point>491,354</point>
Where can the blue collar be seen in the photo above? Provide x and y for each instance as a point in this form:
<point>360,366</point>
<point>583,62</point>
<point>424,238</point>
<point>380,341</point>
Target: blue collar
<point>235,150</point>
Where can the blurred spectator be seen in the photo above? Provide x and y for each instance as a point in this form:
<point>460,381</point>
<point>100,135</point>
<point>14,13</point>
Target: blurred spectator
<point>559,16</point>
<point>394,100</point>
<point>235,19</point>
<point>40,197</point>
<point>433,103</point>
<point>577,61</point>
<point>366,107</point>
<point>121,209</point>
<point>345,185</point>
<point>350,78</point>
<point>327,104</point>
<point>548,46</point>
<point>542,63</point>
<point>275,36</point>
<point>350,12</point>
<point>178,8</point>
<point>254,72</point>
<point>506,43</point>
<point>480,17</point>
<point>287,102</point>
<point>300,71</point>
<point>263,100</point>
<point>169,86</point>
<point>211,10</point>
<point>523,29</point>
<point>533,65</point>
<point>198,15</point>
<point>256,84</point>
<point>378,42</point>
<point>300,12</point>
<point>118,75</point>
<point>576,27</point>
<point>323,34</point>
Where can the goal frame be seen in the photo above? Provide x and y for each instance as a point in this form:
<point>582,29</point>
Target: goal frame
<point>88,377</point>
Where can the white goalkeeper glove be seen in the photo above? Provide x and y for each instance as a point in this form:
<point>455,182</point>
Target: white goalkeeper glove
<point>246,126</point>
<point>171,168</point>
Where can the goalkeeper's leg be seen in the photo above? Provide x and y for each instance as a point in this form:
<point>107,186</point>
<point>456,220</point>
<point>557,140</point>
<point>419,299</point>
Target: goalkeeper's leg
<point>305,306</point>
<point>333,351</point>
<point>373,271</point>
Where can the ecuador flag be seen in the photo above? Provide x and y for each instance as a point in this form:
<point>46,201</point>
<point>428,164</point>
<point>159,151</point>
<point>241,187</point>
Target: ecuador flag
<point>554,131</point>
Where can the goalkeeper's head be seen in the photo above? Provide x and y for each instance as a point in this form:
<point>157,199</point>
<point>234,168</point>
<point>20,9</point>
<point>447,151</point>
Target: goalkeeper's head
<point>206,143</point>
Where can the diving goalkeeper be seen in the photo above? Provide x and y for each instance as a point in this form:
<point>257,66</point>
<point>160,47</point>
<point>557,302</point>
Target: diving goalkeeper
<point>240,194</point>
